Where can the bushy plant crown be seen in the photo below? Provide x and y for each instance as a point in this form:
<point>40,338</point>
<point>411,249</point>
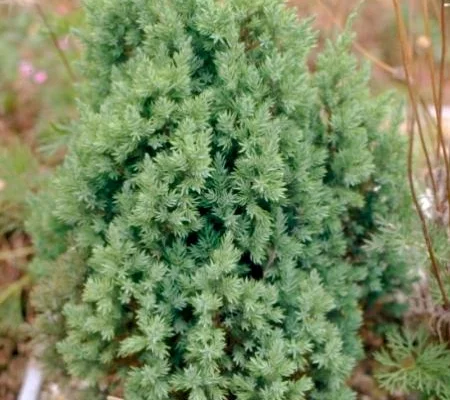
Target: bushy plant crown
<point>222,210</point>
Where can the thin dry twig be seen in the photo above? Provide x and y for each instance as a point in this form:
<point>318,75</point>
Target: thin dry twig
<point>441,94</point>
<point>14,288</point>
<point>430,63</point>
<point>407,68</point>
<point>16,253</point>
<point>54,39</point>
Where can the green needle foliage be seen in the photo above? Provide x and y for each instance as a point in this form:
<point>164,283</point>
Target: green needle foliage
<point>222,211</point>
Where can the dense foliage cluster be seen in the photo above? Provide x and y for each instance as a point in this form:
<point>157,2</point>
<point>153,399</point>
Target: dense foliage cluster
<point>223,212</point>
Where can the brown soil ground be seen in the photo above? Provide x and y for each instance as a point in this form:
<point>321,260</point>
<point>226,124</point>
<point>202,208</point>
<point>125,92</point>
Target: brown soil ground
<point>14,349</point>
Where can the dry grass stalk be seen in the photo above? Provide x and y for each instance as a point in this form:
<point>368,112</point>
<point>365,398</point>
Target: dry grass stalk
<point>54,39</point>
<point>437,161</point>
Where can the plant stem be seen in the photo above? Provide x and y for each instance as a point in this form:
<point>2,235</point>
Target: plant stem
<point>54,39</point>
<point>14,288</point>
<point>21,252</point>
<point>428,241</point>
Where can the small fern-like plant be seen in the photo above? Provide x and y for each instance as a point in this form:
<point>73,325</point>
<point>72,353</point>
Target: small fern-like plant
<point>415,362</point>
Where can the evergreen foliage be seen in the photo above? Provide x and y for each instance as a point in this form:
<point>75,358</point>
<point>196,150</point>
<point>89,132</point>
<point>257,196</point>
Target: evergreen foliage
<point>222,211</point>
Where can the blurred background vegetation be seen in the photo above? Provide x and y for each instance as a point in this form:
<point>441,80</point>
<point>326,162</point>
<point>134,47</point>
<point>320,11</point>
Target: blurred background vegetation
<point>39,79</point>
<point>37,104</point>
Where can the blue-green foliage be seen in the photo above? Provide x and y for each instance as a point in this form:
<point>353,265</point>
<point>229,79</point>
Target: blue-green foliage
<point>222,210</point>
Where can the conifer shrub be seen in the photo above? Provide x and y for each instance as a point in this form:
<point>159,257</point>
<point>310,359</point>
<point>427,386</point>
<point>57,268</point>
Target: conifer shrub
<point>223,213</point>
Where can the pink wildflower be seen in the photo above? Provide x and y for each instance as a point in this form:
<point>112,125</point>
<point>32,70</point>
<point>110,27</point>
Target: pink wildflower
<point>26,69</point>
<point>40,77</point>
